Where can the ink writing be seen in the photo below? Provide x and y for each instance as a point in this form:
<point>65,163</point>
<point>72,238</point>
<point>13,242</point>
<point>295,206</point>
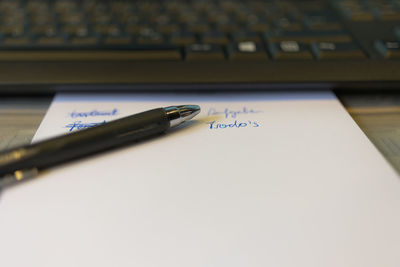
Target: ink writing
<point>234,125</point>
<point>229,113</point>
<point>78,125</point>
<point>94,113</point>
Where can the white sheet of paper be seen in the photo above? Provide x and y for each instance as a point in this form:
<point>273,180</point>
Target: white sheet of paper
<point>263,179</point>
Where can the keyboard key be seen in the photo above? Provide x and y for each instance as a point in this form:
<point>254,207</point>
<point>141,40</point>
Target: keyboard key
<point>64,6</point>
<point>14,30</point>
<point>136,28</point>
<point>229,27</point>
<point>247,51</point>
<point>290,50</point>
<point>47,30</point>
<point>72,18</point>
<point>286,24</point>
<point>168,29</point>
<point>102,19</point>
<point>108,29</point>
<point>16,41</point>
<point>390,15</point>
<point>113,40</point>
<point>246,36</point>
<point>84,41</point>
<point>356,10</point>
<point>311,6</point>
<point>182,38</point>
<point>200,27</point>
<point>187,17</point>
<point>397,32</point>
<point>150,37</point>
<point>325,26</point>
<point>204,52</point>
<point>309,36</point>
<point>215,37</point>
<point>322,22</point>
<point>329,50</point>
<point>218,18</point>
<point>170,54</point>
<point>389,49</point>
<point>90,55</point>
<point>362,16</point>
<point>76,30</point>
<point>50,41</point>
<point>260,27</point>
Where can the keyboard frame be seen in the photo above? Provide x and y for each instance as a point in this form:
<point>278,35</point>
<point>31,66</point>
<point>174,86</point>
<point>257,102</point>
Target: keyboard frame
<point>50,77</point>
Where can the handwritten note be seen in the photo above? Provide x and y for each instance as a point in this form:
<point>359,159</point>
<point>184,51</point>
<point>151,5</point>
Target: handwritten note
<point>228,113</point>
<point>230,118</point>
<point>78,116</point>
<point>93,113</point>
<point>79,125</point>
<point>263,179</point>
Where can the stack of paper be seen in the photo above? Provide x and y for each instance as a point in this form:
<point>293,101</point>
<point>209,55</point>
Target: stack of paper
<point>266,179</point>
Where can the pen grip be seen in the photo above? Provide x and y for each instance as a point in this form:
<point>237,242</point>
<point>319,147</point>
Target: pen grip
<point>85,142</point>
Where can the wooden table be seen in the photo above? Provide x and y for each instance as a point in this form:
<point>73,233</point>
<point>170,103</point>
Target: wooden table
<point>378,115</point>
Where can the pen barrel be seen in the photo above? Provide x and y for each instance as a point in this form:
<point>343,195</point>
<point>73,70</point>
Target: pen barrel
<point>61,149</point>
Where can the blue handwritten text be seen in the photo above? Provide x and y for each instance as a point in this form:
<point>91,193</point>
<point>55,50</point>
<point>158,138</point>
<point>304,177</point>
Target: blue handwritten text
<point>94,113</point>
<point>228,113</point>
<point>78,125</point>
<point>235,125</point>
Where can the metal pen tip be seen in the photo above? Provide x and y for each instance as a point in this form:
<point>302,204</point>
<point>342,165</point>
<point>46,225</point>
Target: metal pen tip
<point>188,111</point>
<point>181,113</point>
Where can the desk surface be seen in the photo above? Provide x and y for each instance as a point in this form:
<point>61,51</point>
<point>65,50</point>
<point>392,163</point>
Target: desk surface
<point>378,115</point>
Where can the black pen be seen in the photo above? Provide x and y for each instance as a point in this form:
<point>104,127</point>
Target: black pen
<point>26,161</point>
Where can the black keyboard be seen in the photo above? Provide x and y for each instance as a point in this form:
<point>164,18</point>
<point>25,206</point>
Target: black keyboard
<point>71,45</point>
